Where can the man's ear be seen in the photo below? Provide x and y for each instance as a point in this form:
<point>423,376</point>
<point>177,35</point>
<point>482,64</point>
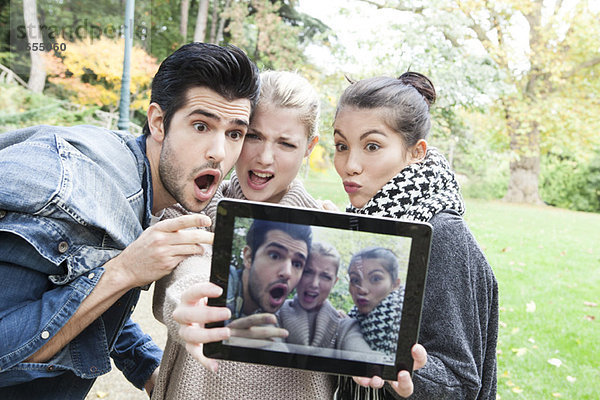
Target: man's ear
<point>247,257</point>
<point>155,116</point>
<point>396,284</point>
<point>418,152</point>
<point>311,145</point>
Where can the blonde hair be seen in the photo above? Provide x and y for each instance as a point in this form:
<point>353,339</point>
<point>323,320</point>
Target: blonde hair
<point>290,90</point>
<point>324,249</point>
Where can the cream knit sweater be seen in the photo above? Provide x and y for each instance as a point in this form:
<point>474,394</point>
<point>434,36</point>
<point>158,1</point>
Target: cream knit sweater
<point>182,377</point>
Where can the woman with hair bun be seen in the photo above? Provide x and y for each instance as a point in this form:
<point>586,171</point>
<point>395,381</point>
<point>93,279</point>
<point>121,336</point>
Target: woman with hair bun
<point>388,170</point>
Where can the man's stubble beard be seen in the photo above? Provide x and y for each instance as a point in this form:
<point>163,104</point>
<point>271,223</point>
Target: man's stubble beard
<point>254,288</point>
<point>171,176</point>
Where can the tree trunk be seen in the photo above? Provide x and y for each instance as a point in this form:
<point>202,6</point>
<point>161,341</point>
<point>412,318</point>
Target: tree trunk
<point>183,23</point>
<point>37,73</point>
<point>525,169</point>
<point>200,31</point>
<point>213,22</point>
<point>524,134</point>
<point>222,23</point>
<point>523,183</point>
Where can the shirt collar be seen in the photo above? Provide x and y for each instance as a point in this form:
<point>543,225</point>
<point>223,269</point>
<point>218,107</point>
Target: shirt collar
<point>146,182</point>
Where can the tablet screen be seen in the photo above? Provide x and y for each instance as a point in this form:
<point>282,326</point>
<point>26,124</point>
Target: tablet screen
<point>347,289</point>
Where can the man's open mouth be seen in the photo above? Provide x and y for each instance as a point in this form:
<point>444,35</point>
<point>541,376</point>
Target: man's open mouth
<point>205,184</point>
<point>277,295</point>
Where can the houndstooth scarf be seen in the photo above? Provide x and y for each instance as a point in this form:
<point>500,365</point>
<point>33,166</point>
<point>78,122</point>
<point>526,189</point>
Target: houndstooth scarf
<point>380,327</point>
<point>417,193</point>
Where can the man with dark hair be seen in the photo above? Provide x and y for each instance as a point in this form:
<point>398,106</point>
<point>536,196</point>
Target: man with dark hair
<point>74,203</point>
<point>273,258</point>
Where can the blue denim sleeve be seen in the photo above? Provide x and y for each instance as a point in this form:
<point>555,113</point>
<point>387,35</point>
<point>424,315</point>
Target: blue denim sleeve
<point>135,354</point>
<point>32,309</point>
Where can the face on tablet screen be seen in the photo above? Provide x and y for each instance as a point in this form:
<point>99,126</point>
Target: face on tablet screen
<point>318,277</point>
<point>337,292</point>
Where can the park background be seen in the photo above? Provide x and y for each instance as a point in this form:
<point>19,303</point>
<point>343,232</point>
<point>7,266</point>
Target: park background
<point>517,117</point>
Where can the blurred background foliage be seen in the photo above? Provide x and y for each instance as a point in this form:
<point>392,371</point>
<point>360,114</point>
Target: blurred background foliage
<point>518,83</point>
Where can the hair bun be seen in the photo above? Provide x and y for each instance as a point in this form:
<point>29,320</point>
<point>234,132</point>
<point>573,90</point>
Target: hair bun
<point>421,83</point>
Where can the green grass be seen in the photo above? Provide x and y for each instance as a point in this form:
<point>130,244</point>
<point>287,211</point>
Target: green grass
<point>544,256</point>
<point>550,257</point>
<point>326,186</point>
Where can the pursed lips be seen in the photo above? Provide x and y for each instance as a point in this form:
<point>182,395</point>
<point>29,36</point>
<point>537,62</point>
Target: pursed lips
<point>351,187</point>
<point>363,301</point>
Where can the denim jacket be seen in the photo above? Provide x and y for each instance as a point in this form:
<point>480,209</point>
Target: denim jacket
<point>70,200</point>
<point>235,297</point>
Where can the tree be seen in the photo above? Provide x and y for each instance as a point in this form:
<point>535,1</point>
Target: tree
<point>221,25</point>
<point>37,72</point>
<point>185,10</point>
<point>214,21</point>
<point>547,55</point>
<point>90,75</point>
<point>272,32</point>
<point>201,20</point>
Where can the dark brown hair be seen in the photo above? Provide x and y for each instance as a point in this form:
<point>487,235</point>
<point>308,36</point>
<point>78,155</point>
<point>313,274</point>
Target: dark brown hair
<point>421,83</point>
<point>405,100</point>
<point>225,69</point>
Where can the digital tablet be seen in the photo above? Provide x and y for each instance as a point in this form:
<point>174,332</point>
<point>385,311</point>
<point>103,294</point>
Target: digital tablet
<point>347,288</point>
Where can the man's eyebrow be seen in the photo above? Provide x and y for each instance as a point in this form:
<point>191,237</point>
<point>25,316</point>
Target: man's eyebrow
<point>284,248</point>
<point>240,122</point>
<point>301,255</point>
<point>205,113</point>
<point>210,115</point>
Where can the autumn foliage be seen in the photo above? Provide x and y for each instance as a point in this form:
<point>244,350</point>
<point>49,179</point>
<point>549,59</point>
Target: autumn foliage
<point>91,73</point>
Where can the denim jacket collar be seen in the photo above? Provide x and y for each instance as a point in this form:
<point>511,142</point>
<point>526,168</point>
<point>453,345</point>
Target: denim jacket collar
<point>146,181</point>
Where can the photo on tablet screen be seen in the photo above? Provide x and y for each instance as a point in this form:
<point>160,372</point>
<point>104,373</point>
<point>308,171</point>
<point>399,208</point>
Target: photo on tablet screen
<point>347,289</point>
<point>340,298</point>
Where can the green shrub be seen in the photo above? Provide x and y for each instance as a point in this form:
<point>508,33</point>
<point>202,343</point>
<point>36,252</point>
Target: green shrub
<point>20,108</point>
<point>567,182</point>
<point>489,183</point>
<point>482,173</point>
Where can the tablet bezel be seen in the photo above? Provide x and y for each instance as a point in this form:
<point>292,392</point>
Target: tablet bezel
<point>420,233</point>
